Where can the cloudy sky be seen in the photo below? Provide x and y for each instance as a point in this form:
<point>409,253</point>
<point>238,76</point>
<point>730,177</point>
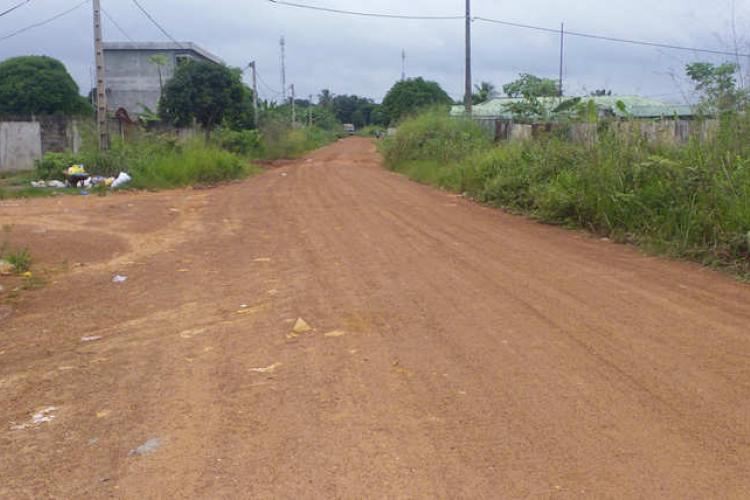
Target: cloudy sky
<point>361,55</point>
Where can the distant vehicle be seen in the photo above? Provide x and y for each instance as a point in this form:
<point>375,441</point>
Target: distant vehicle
<point>349,128</point>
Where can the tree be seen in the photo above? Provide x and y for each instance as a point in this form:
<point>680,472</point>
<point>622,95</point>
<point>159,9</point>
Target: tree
<point>353,109</point>
<point>159,60</point>
<point>408,96</point>
<point>484,92</point>
<point>528,85</point>
<point>600,93</point>
<point>38,85</point>
<point>325,98</point>
<point>201,91</point>
<point>717,86</point>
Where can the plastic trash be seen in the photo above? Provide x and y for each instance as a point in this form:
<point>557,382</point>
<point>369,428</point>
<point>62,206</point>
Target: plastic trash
<point>38,184</point>
<point>56,184</point>
<point>76,169</point>
<point>121,180</point>
<point>119,279</point>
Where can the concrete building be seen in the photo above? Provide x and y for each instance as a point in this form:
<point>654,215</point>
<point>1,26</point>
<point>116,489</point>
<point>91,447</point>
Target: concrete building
<point>132,78</point>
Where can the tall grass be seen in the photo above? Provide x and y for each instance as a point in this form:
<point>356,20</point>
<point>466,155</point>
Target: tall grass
<point>691,201</point>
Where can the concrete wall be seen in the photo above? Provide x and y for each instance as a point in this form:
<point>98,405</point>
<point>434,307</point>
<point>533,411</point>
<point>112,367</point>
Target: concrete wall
<point>25,139</point>
<point>20,145</point>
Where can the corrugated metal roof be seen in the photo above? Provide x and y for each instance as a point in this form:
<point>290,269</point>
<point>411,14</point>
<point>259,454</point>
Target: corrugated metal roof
<point>639,107</point>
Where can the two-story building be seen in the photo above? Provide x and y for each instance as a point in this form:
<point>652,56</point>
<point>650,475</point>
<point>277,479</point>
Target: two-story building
<point>134,78</point>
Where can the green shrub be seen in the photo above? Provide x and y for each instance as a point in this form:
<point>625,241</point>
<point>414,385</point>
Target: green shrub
<point>20,260</point>
<point>247,143</point>
<point>52,166</point>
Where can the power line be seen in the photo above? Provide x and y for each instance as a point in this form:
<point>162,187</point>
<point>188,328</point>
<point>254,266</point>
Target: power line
<point>609,38</point>
<point>155,23</point>
<point>19,5</point>
<point>365,14</point>
<point>42,23</point>
<point>116,24</point>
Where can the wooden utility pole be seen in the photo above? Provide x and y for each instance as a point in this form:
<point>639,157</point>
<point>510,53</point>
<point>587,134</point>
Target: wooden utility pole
<point>467,96</point>
<point>562,48</point>
<point>403,65</point>
<point>309,111</point>
<point>294,115</point>
<point>101,88</point>
<point>255,95</point>
<point>282,42</point>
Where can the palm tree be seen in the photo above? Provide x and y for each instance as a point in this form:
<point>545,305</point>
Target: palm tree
<point>325,98</point>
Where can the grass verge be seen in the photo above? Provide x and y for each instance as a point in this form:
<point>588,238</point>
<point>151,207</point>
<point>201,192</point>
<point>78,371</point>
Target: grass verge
<point>688,202</point>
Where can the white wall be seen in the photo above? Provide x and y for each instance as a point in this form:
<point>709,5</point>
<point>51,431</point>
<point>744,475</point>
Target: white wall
<point>20,145</point>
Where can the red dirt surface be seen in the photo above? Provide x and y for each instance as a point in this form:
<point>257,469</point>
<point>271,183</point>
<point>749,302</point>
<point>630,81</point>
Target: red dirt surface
<point>455,351</point>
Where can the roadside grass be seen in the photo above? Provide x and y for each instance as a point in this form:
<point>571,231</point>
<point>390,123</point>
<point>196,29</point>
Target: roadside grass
<point>688,202</point>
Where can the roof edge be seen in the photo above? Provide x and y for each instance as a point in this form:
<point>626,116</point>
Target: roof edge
<point>156,46</point>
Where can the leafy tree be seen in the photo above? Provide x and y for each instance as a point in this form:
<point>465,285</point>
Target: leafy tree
<point>38,85</point>
<point>203,91</point>
<point>600,93</point>
<point>353,109</point>
<point>241,114</point>
<point>528,85</point>
<point>408,96</point>
<point>484,92</point>
<point>717,86</point>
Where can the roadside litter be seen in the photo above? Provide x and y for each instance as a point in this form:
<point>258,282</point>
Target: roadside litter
<point>92,338</point>
<point>146,448</point>
<point>41,417</point>
<point>267,369</point>
<point>77,177</point>
<point>119,279</point>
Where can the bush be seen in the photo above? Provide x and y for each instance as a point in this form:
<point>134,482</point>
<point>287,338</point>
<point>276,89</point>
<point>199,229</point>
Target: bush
<point>52,166</point>
<point>247,143</point>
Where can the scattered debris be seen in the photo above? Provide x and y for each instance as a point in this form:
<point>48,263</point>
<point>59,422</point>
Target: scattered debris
<point>146,448</point>
<point>335,333</point>
<point>284,174</point>
<point>48,184</point>
<point>103,413</point>
<point>92,338</point>
<point>6,268</point>
<point>119,279</point>
<point>301,326</point>
<point>189,334</point>
<point>41,417</point>
<point>267,369</point>
<point>262,259</point>
<point>243,306</point>
<point>244,309</point>
<point>121,180</point>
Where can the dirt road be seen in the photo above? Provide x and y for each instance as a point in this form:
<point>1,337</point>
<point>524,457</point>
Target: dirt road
<point>455,351</point>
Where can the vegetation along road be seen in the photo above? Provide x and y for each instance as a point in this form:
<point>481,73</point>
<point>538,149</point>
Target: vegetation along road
<point>452,351</point>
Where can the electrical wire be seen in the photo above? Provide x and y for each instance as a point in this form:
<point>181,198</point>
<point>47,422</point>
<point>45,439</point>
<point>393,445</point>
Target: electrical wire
<point>117,25</point>
<point>42,23</point>
<point>17,6</point>
<point>155,23</point>
<point>268,87</point>
<point>609,38</point>
<point>365,14</point>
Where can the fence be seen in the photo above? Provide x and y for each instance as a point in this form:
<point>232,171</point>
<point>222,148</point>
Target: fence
<point>25,139</point>
<point>669,132</point>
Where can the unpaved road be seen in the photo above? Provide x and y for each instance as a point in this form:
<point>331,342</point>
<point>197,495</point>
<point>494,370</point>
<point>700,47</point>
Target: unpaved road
<point>456,351</point>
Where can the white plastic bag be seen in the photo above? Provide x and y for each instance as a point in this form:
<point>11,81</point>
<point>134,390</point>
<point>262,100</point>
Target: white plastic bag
<point>121,180</point>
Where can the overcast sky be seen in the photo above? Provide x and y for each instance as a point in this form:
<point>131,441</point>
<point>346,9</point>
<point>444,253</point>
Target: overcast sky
<point>363,55</point>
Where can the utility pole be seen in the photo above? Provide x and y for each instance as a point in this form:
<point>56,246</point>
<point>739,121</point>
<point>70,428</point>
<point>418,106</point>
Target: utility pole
<point>294,114</point>
<point>101,89</point>
<point>283,68</point>
<point>309,111</point>
<point>255,95</point>
<point>403,65</point>
<point>467,96</point>
<point>562,49</point>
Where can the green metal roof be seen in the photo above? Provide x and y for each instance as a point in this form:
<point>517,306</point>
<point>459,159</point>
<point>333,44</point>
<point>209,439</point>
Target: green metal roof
<point>639,107</point>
